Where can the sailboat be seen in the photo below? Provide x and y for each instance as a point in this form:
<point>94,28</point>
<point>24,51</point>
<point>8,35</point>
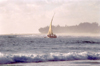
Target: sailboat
<point>50,31</point>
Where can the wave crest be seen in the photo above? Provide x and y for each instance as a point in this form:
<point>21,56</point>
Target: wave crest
<point>27,58</point>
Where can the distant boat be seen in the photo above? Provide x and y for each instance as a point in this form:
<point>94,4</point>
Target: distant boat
<point>50,32</point>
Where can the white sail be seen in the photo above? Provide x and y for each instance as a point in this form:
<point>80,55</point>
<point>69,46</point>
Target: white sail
<point>50,27</point>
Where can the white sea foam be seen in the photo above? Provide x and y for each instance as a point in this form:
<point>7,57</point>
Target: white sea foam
<point>27,58</point>
<point>1,54</point>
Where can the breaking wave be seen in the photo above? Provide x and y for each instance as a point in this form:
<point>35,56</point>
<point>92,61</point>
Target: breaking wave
<point>83,42</point>
<point>92,42</point>
<point>35,58</point>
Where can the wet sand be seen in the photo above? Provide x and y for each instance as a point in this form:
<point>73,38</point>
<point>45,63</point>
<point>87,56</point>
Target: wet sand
<point>60,63</point>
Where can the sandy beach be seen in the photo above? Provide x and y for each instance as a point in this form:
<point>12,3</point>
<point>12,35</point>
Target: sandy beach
<point>60,63</point>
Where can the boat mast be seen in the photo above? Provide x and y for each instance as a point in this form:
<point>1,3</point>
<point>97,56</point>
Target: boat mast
<point>50,27</point>
<point>52,18</point>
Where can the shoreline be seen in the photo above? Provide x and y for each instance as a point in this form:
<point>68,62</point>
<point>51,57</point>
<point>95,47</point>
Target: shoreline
<point>59,63</point>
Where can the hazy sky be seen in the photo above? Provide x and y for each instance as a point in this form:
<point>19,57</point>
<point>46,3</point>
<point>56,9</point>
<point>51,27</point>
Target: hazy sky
<point>27,16</point>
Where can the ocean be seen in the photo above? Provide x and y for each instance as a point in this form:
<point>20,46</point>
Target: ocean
<point>35,50</point>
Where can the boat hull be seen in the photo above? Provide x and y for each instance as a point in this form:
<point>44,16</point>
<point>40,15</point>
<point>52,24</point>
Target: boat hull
<point>51,36</point>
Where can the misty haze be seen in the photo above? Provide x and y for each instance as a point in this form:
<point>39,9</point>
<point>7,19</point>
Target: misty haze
<point>82,28</point>
<point>27,16</point>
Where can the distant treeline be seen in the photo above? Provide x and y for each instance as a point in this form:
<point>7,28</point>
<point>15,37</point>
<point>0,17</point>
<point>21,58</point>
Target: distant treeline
<point>81,28</point>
